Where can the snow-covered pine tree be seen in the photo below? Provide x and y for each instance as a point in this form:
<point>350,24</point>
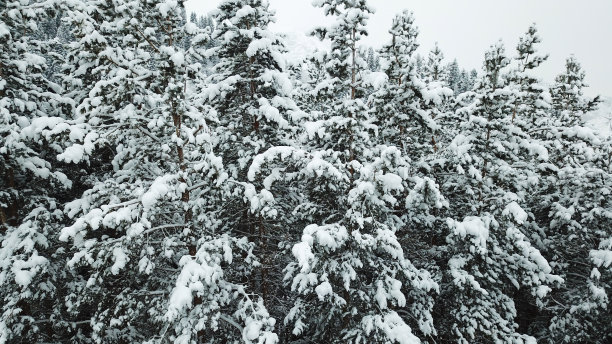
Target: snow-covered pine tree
<point>532,99</point>
<point>463,85</point>
<point>567,92</point>
<point>434,68</point>
<point>406,107</point>
<point>32,184</point>
<point>491,260</point>
<point>453,76</point>
<point>373,60</point>
<point>251,93</point>
<point>576,212</point>
<point>350,278</point>
<point>406,110</point>
<point>146,230</point>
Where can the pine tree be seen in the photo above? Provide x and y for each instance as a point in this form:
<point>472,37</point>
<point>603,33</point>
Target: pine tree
<point>568,99</point>
<point>145,230</point>
<point>32,183</point>
<point>532,99</point>
<point>373,60</point>
<point>350,279</point>
<point>576,214</point>
<point>406,106</point>
<point>453,76</point>
<point>492,263</point>
<point>250,91</point>
<point>434,69</point>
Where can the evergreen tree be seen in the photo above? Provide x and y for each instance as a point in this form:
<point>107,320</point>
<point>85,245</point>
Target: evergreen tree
<point>406,106</point>
<point>453,76</point>
<point>373,60</point>
<point>166,179</point>
<point>434,69</point>
<point>33,185</point>
<point>250,91</point>
<point>576,214</point>
<point>531,99</point>
<point>351,280</point>
<point>492,263</point>
<point>567,94</point>
<point>145,231</point>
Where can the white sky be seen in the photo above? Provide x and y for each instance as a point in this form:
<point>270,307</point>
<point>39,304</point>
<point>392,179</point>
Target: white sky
<point>464,29</point>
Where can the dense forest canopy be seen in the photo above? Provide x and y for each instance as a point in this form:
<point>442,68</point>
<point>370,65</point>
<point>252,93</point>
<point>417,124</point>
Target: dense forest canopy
<point>173,178</point>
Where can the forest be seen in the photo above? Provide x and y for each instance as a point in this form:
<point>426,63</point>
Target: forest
<point>168,177</point>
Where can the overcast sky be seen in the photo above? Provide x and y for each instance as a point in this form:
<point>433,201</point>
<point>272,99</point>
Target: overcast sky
<point>464,29</point>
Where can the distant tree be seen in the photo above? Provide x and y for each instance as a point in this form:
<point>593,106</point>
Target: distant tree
<point>453,76</point>
<point>434,68</point>
<point>373,60</point>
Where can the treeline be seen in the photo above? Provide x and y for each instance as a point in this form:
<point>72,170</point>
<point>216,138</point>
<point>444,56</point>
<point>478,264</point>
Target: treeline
<point>166,179</point>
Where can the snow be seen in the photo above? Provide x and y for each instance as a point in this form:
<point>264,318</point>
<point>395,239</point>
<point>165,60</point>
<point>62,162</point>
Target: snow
<point>390,182</point>
<point>303,254</point>
<point>517,213</point>
<point>299,46</point>
<point>25,271</point>
<point>180,298</point>
<point>120,260</point>
<point>314,129</point>
<point>376,79</point>
<point>330,236</point>
<point>167,6</point>
<point>584,133</point>
<point>323,290</point>
<point>157,190</point>
<point>259,45</point>
<point>245,11</point>
<point>4,31</point>
<point>178,58</point>
<point>78,152</point>
<point>252,330</point>
<point>393,326</point>
<point>603,256</point>
<point>271,113</point>
<point>473,226</point>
